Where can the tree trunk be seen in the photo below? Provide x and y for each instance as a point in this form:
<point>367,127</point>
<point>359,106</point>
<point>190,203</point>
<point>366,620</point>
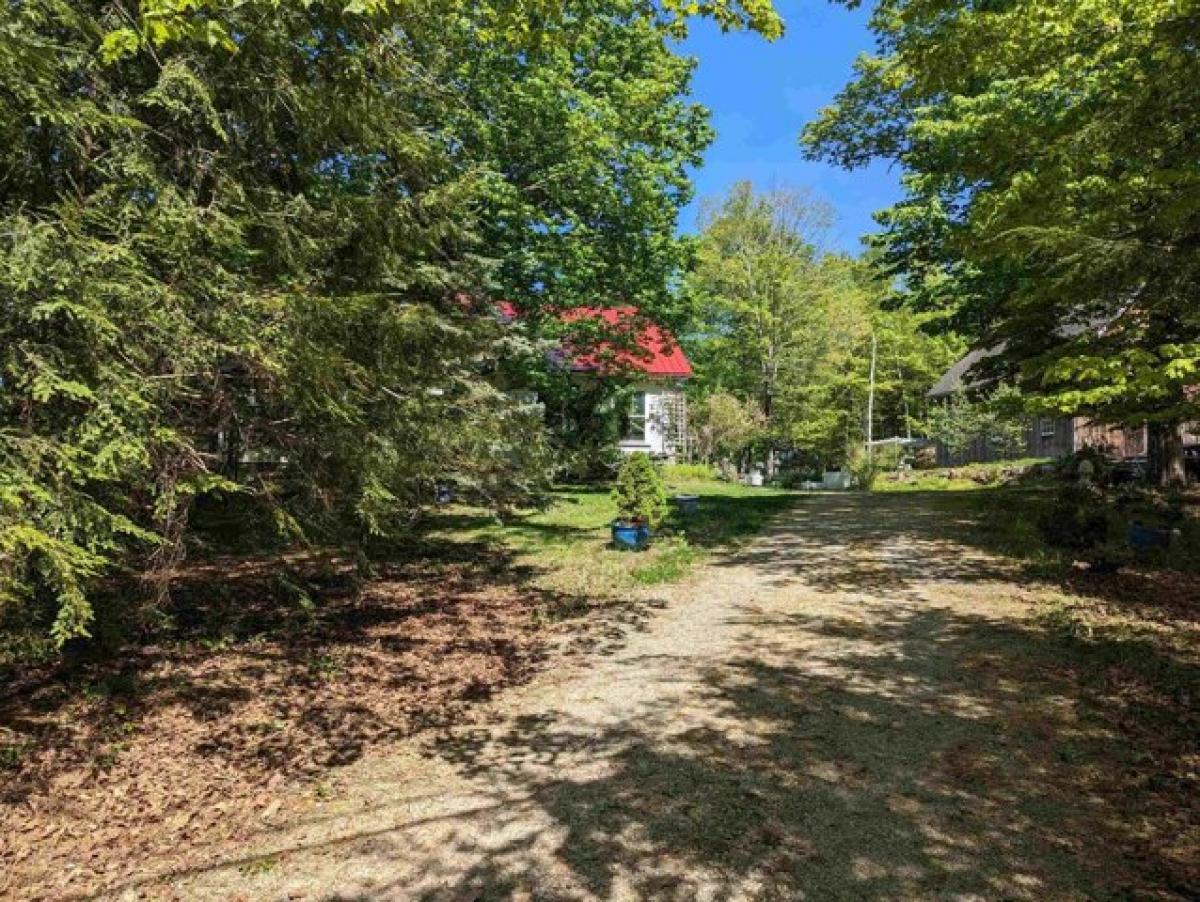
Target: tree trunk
<point>1166,454</point>
<point>871,403</point>
<point>768,414</point>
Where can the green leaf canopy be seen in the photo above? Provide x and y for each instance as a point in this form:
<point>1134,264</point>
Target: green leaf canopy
<point>1052,158</point>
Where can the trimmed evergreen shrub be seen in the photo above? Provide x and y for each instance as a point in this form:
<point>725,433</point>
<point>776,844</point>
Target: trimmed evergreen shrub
<point>639,492</point>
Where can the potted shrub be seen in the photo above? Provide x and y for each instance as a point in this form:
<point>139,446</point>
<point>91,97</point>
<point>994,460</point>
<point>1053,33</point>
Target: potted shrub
<point>1165,517</point>
<point>641,502</point>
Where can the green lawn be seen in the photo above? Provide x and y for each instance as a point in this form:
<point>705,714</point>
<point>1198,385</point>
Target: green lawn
<point>568,545</point>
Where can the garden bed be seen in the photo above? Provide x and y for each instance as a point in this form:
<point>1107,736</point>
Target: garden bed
<point>962,478</point>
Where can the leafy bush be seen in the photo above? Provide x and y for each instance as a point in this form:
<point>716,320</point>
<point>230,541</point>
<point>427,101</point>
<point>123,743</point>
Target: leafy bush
<point>1079,521</point>
<point>890,457</point>
<point>864,469</point>
<point>796,477</point>
<point>1068,466</point>
<point>723,426</point>
<point>1164,509</point>
<point>1171,510</point>
<point>639,492</point>
<point>672,562</point>
<point>798,466</point>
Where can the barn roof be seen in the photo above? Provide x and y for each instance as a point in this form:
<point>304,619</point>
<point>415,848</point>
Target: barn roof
<point>958,377</point>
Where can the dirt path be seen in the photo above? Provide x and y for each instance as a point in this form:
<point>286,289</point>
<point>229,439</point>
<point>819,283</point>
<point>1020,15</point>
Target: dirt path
<point>857,706</point>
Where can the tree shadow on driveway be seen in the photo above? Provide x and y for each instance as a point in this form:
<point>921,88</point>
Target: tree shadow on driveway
<point>871,543</point>
<point>879,725</point>
<point>943,755</point>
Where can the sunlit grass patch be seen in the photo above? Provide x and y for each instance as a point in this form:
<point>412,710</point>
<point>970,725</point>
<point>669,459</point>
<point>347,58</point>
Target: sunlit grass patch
<point>670,563</point>
<point>689,473</point>
<point>568,546</point>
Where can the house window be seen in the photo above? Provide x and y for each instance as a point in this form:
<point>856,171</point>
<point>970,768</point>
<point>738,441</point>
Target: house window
<point>636,430</point>
<point>1135,442</point>
<point>1049,427</point>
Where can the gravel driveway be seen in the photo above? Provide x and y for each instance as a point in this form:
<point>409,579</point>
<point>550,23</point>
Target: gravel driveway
<point>855,706</point>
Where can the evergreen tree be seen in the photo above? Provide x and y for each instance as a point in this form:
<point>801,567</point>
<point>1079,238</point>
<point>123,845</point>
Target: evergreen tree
<point>639,491</point>
<point>245,248</point>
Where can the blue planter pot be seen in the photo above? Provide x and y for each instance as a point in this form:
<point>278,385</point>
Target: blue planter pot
<point>687,504</point>
<point>1143,538</point>
<point>634,536</point>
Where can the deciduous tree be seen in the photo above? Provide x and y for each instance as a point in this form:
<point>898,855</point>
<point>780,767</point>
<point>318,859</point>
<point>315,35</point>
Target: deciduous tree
<point>791,327</point>
<point>1051,156</point>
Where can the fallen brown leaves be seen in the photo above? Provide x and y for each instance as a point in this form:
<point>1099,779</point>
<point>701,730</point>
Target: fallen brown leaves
<point>1131,655</point>
<point>167,752</point>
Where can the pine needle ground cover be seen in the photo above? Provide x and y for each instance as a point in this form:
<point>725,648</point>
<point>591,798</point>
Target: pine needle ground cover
<point>867,701</point>
<point>1140,625</point>
<point>272,679</point>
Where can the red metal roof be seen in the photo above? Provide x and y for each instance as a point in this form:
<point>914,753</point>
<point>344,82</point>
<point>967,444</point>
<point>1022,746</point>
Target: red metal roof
<point>658,354</point>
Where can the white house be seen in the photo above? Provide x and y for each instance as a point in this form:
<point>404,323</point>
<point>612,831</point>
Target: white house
<point>657,417</point>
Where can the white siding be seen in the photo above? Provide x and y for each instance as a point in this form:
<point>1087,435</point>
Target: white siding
<point>665,406</point>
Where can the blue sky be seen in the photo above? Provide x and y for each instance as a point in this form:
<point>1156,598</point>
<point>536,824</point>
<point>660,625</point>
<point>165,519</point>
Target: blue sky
<point>761,95</point>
